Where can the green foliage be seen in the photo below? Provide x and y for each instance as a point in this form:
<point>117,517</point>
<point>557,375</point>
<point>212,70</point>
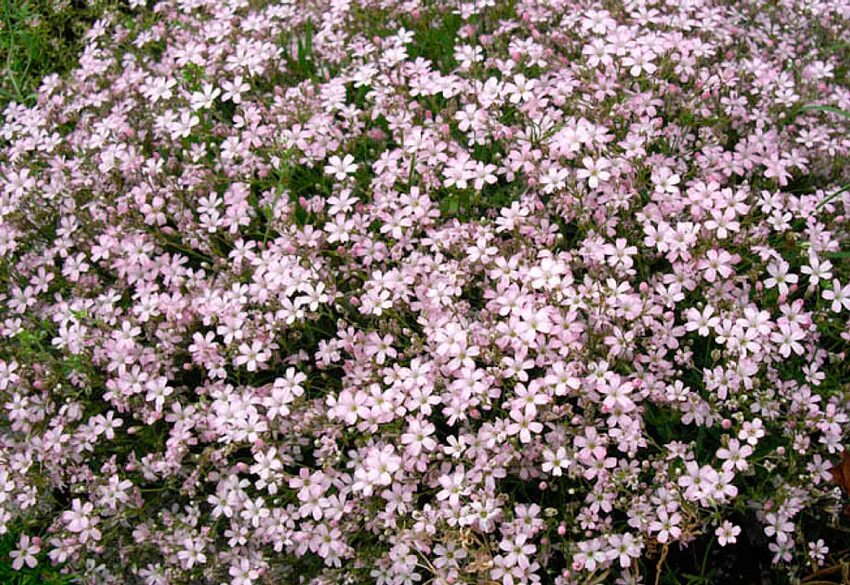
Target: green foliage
<point>820,108</point>
<point>40,37</point>
<point>435,41</point>
<point>298,53</point>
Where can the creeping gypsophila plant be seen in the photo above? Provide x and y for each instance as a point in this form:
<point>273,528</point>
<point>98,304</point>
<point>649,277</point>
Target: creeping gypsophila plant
<point>430,292</point>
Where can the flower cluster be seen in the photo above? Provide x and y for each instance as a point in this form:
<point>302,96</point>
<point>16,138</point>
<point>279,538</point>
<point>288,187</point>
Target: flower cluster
<point>444,292</point>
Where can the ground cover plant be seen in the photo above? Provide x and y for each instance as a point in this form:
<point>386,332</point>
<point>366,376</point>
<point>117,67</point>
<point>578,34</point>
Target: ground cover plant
<point>430,292</point>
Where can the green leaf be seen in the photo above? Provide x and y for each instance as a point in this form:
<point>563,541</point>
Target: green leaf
<point>825,108</point>
<point>833,196</point>
<point>454,205</point>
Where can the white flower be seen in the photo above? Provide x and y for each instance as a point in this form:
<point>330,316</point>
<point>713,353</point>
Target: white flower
<point>555,462</point>
<point>341,168</point>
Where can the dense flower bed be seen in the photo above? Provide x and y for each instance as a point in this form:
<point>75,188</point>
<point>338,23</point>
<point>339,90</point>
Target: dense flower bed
<point>397,292</point>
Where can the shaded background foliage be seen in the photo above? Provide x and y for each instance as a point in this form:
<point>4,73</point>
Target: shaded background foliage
<point>40,37</point>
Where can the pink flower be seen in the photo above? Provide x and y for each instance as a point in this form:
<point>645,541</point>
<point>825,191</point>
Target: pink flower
<point>251,356</point>
<point>594,171</point>
<point>517,551</point>
<point>780,277</point>
<point>718,263</point>
<point>839,296</point>
<point>418,437</point>
<point>625,548</point>
<point>452,487</point>
<point>726,533</point>
<point>555,462</point>
<point>81,520</point>
<point>524,425</point>
<point>701,322</point>
<point>640,60</point>
<point>243,573</point>
<point>26,553</point>
<point>667,525</point>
